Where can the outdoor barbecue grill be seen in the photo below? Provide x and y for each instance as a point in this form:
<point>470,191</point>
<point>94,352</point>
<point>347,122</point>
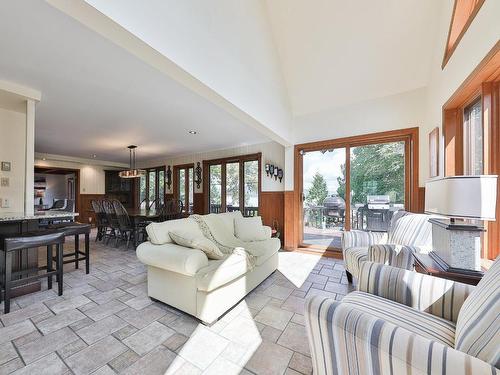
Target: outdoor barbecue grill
<point>334,209</point>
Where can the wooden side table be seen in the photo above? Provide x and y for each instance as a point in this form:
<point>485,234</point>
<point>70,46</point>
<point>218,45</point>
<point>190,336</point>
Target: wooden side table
<point>424,263</point>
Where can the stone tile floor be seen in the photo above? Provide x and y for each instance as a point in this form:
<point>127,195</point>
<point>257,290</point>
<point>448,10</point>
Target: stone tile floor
<point>106,324</point>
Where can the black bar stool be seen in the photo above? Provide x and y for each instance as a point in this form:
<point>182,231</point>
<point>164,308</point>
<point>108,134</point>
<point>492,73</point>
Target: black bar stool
<point>76,229</point>
<point>30,240</point>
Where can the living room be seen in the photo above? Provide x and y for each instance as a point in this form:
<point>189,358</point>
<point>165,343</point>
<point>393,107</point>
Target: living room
<point>255,187</point>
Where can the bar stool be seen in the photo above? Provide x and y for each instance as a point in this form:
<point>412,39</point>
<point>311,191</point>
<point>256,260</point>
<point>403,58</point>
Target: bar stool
<point>76,229</point>
<point>15,244</point>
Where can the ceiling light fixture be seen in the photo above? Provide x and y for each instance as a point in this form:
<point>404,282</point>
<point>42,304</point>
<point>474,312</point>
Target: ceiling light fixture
<point>133,172</point>
<point>192,132</point>
<point>94,156</point>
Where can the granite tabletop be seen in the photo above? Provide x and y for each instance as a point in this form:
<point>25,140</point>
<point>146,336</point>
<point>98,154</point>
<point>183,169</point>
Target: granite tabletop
<point>18,216</point>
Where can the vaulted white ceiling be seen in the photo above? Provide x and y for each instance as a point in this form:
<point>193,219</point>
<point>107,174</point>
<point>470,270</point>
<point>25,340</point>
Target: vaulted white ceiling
<point>97,98</point>
<point>117,73</point>
<point>337,52</point>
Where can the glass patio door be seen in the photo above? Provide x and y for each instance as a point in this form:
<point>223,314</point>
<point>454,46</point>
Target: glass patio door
<point>323,199</point>
<point>377,183</point>
<point>353,186</point>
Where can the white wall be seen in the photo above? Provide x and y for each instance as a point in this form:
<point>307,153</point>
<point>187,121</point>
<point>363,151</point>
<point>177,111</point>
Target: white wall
<point>482,35</point>
<point>13,149</point>
<point>400,111</point>
<point>272,152</point>
<point>225,44</point>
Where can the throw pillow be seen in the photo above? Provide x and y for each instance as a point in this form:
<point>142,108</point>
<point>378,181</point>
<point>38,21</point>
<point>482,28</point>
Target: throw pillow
<point>250,229</point>
<point>194,241</point>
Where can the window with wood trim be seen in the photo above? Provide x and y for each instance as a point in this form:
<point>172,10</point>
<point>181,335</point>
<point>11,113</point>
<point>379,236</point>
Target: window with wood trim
<point>184,186</point>
<point>233,184</point>
<point>152,188</point>
<point>463,14</point>
<point>473,139</point>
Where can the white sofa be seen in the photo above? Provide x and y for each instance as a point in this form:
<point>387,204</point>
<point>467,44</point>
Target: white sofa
<point>187,280</point>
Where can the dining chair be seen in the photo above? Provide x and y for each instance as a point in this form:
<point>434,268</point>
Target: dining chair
<point>126,228</point>
<point>112,220</point>
<point>100,218</point>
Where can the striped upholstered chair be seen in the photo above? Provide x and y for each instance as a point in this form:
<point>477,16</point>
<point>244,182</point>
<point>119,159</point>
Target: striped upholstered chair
<point>408,233</point>
<point>402,322</point>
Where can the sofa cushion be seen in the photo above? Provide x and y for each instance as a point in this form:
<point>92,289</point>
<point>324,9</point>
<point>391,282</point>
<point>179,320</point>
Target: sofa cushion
<point>420,323</point>
<point>158,233</point>
<point>172,257</point>
<point>221,272</point>
<point>250,229</point>
<point>478,326</point>
<point>227,218</point>
<point>194,241</point>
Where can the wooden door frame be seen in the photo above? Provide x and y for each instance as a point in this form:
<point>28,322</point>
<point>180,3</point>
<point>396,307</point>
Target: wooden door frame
<point>483,82</point>
<point>408,135</point>
<point>241,159</point>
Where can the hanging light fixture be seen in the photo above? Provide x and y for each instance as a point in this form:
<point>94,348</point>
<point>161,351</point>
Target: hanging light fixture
<point>133,172</point>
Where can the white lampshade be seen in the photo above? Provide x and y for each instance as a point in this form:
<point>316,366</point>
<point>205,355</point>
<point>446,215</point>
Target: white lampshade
<point>467,197</point>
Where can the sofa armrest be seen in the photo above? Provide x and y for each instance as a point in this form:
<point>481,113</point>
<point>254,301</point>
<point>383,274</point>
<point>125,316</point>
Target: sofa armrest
<point>172,257</point>
<point>359,238</point>
<point>437,296</point>
<point>344,340</point>
<point>395,255</point>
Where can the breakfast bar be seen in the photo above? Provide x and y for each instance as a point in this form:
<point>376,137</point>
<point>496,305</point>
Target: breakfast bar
<point>13,224</point>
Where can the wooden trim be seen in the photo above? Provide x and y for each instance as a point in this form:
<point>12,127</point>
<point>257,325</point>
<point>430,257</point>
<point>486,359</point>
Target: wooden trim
<point>484,81</point>
<point>459,13</point>
<point>487,70</point>
<point>434,152</point>
<point>241,159</point>
<point>409,136</point>
<point>175,181</point>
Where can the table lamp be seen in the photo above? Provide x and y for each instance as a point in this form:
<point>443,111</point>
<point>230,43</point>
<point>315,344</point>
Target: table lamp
<point>462,200</point>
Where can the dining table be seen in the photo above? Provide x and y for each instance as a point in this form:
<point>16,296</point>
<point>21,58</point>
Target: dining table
<point>138,217</point>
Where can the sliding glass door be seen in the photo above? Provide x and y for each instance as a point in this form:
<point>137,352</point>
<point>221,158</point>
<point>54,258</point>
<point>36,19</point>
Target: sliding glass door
<point>324,197</point>
<point>377,182</point>
<point>351,186</point>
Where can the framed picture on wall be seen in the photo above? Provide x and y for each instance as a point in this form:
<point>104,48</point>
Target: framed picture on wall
<point>434,152</point>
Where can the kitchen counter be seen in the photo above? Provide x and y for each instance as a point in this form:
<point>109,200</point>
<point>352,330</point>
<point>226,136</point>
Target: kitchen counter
<point>17,223</point>
<point>42,215</point>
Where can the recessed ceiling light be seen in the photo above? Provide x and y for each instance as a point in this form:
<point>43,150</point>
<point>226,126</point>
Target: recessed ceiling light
<point>94,156</point>
<point>192,132</point>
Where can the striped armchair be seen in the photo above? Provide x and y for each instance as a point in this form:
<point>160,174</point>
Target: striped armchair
<point>408,233</point>
<point>402,322</point>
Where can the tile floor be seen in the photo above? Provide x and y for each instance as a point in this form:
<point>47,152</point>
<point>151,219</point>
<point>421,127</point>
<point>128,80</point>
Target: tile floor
<point>106,324</point>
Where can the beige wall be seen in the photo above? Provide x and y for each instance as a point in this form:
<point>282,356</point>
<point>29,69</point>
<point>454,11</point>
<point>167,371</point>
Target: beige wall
<point>272,152</point>
<point>13,149</point>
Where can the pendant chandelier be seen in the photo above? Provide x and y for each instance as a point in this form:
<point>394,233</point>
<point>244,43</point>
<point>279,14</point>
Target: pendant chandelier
<point>133,172</point>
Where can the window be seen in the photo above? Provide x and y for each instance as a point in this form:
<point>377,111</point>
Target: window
<point>473,139</point>
<point>464,12</point>
<point>152,188</point>
<point>233,184</point>
<point>184,186</point>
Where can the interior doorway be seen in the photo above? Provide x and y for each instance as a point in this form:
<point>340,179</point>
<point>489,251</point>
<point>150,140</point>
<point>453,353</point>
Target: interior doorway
<point>56,188</point>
